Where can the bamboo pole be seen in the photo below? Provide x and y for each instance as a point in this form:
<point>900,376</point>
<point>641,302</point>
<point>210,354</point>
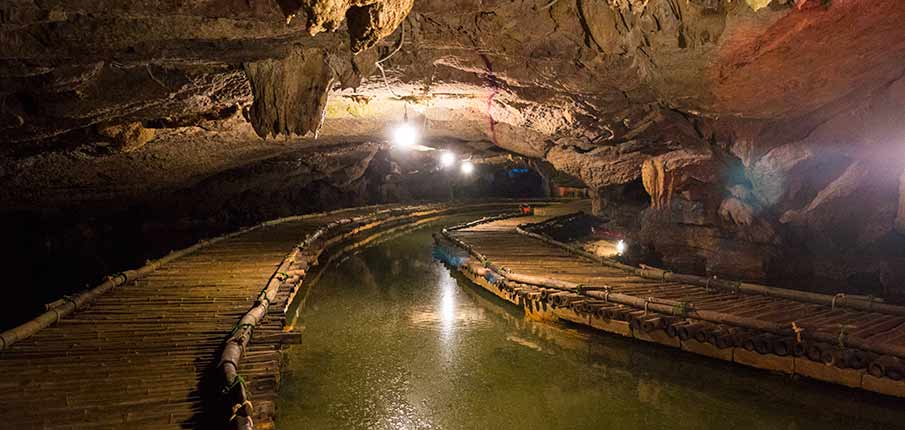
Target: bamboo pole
<point>69,304</point>
<point>305,254</point>
<point>176,330</point>
<point>890,367</point>
<point>839,300</point>
<point>237,342</point>
<point>812,333</point>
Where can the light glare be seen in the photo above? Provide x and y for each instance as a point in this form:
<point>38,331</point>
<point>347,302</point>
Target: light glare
<point>620,247</point>
<point>405,136</point>
<point>447,159</point>
<point>467,167</point>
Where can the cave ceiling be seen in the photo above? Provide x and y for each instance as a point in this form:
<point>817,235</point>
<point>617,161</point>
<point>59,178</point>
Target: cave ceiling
<point>114,96</point>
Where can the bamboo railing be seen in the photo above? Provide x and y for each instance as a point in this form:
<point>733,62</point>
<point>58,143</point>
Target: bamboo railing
<point>841,300</point>
<point>765,329</point>
<point>289,277</point>
<point>202,355</point>
<point>69,304</point>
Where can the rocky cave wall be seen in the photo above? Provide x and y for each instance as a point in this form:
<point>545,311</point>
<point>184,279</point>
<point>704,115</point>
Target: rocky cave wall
<point>821,201</point>
<point>764,155</point>
<point>767,135</point>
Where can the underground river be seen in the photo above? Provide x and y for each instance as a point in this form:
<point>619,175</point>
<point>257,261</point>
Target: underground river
<point>394,340</point>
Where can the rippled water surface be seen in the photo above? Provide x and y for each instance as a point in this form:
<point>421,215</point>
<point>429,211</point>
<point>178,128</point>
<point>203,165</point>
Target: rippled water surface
<point>393,340</point>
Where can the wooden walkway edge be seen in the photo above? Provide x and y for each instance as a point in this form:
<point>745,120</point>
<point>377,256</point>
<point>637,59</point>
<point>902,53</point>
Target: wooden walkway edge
<point>846,345</point>
<point>149,353</point>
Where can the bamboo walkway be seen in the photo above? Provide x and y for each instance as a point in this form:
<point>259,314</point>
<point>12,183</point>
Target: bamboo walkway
<point>139,355</point>
<point>842,345</point>
<point>188,341</point>
<point>147,354</point>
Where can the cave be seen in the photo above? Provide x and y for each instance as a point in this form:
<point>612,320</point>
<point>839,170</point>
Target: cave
<point>453,214</point>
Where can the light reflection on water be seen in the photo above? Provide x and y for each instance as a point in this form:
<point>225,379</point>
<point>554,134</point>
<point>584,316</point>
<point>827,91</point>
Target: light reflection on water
<point>394,341</point>
<point>447,316</point>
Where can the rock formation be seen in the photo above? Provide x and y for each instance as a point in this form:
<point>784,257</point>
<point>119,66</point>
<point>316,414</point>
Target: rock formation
<point>768,133</point>
<point>290,93</point>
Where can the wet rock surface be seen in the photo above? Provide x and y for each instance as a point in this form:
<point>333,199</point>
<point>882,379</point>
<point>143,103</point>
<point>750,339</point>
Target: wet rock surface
<point>768,135</point>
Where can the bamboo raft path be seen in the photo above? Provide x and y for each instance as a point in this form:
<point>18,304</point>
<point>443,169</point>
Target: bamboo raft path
<point>852,341</point>
<point>137,355</point>
<point>152,353</point>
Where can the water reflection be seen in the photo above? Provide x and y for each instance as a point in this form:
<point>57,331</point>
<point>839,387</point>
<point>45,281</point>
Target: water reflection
<point>446,315</point>
<point>395,341</point>
<point>448,305</point>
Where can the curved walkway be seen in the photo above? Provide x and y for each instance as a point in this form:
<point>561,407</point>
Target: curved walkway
<point>813,340</point>
<point>139,355</point>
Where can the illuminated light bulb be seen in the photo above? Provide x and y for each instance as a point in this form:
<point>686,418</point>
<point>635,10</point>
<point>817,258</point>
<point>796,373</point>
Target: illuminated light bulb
<point>620,247</point>
<point>405,136</point>
<point>467,167</point>
<point>447,159</point>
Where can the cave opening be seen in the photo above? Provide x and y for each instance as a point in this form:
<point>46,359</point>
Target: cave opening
<point>461,204</point>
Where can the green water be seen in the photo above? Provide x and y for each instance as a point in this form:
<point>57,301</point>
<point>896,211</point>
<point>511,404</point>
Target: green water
<point>393,340</point>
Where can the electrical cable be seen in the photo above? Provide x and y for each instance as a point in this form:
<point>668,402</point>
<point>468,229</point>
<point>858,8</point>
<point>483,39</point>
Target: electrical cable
<point>379,63</point>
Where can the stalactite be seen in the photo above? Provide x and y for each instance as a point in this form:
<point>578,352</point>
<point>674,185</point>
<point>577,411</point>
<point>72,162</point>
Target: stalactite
<point>290,94</point>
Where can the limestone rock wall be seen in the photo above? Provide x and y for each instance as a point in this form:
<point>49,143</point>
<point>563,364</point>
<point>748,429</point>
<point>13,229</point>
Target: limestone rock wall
<point>768,133</point>
<point>701,220</point>
<point>820,198</point>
